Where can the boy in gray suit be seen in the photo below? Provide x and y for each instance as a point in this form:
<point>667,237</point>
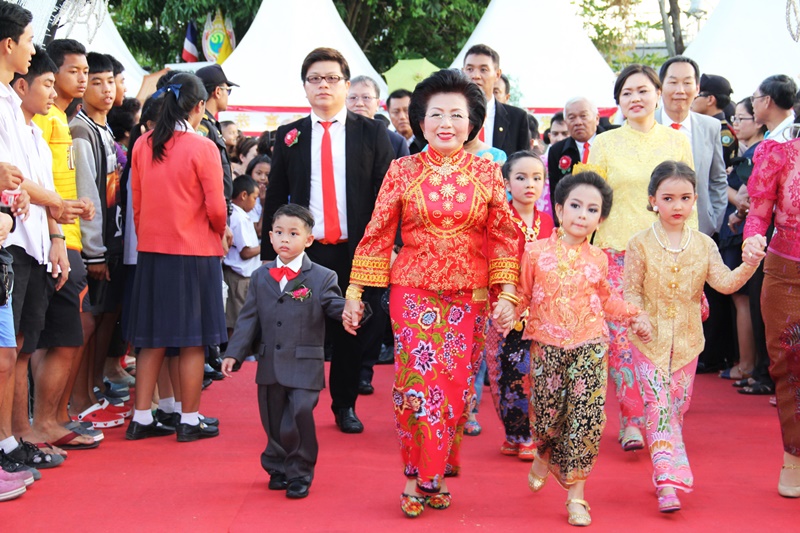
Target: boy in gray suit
<point>287,302</point>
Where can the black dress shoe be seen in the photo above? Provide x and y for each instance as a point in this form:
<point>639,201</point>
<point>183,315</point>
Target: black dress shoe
<point>187,433</point>
<point>137,431</point>
<point>209,372</point>
<point>347,420</point>
<point>214,359</point>
<point>365,388</point>
<point>278,481</point>
<point>167,419</point>
<point>207,382</point>
<point>209,421</point>
<point>298,488</point>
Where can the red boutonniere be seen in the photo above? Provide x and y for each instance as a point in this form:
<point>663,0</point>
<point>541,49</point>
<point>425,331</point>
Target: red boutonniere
<point>291,138</point>
<point>565,162</point>
<point>301,293</point>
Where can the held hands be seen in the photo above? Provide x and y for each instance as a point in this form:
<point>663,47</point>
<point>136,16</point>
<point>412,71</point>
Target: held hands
<point>351,316</point>
<point>503,316</point>
<point>753,250</point>
<point>642,327</point>
<point>227,367</point>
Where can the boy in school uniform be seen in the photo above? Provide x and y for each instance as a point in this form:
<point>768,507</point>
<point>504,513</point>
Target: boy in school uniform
<point>243,257</point>
<point>288,301</point>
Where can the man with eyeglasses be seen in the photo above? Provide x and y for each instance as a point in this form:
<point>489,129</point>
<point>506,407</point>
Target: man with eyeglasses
<point>218,88</point>
<point>332,162</point>
<point>583,125</point>
<point>363,98</point>
<point>772,106</point>
<point>714,97</point>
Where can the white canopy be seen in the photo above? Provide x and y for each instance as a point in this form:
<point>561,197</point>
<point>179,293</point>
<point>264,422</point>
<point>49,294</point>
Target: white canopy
<point>746,42</point>
<point>107,40</point>
<point>571,67</point>
<point>266,63</point>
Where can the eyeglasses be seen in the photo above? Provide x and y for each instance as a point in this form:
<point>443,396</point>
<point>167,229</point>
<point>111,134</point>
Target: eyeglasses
<point>455,118</point>
<point>227,89</point>
<point>332,79</point>
<point>754,98</point>
<point>703,95</point>
<point>736,120</point>
<point>354,98</point>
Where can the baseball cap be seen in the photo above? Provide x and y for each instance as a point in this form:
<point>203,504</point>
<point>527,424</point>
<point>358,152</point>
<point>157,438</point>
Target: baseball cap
<point>213,76</point>
<point>711,84</point>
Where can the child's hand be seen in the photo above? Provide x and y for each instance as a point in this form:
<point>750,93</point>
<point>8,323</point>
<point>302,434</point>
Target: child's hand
<point>504,316</point>
<point>753,250</point>
<point>643,328</point>
<point>227,366</point>
<point>351,316</point>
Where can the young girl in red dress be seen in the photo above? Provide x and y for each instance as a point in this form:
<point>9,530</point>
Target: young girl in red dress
<point>508,360</point>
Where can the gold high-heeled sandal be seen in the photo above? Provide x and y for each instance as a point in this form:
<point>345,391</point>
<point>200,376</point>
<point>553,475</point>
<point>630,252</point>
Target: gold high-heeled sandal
<point>788,491</point>
<point>579,519</point>
<point>535,483</point>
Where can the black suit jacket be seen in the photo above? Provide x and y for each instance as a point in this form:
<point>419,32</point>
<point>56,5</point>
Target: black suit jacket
<point>368,152</point>
<point>417,145</point>
<point>399,144</point>
<point>566,148</point>
<point>511,133</point>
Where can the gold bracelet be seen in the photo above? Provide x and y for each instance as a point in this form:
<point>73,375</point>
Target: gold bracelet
<point>514,299</point>
<point>353,293</point>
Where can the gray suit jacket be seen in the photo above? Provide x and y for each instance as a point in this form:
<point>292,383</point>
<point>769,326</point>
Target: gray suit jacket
<point>709,165</point>
<point>292,331</point>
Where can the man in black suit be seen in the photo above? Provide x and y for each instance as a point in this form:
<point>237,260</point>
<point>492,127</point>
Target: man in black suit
<point>333,163</point>
<point>397,106</point>
<point>506,126</point>
<point>583,125</point>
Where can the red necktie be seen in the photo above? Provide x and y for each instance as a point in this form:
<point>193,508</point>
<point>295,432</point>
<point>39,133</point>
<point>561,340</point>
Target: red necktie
<point>481,135</point>
<point>676,126</point>
<point>279,272</point>
<point>329,207</point>
<point>585,153</point>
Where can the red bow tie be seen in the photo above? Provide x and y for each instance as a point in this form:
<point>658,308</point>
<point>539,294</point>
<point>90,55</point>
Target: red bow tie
<point>279,272</point>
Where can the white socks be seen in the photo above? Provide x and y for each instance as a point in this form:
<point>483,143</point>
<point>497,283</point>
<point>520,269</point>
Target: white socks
<point>178,407</point>
<point>192,419</point>
<point>10,444</point>
<point>167,404</point>
<point>144,416</point>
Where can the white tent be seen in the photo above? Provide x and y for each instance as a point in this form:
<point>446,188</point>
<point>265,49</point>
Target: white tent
<point>746,42</point>
<point>266,63</point>
<point>571,65</point>
<point>107,40</point>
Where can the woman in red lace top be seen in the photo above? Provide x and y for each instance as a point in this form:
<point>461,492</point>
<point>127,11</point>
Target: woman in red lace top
<point>451,207</point>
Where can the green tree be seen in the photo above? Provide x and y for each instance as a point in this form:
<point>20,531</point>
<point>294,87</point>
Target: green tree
<point>614,31</point>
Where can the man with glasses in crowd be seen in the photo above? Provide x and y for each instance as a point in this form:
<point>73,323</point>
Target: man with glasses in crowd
<point>772,106</point>
<point>363,98</point>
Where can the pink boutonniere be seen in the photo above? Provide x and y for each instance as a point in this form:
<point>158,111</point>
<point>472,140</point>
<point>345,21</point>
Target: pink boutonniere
<point>300,293</point>
<point>565,162</point>
<point>291,138</point>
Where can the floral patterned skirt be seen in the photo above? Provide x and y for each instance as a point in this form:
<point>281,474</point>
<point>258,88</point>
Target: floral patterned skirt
<point>438,340</point>
<point>568,396</point>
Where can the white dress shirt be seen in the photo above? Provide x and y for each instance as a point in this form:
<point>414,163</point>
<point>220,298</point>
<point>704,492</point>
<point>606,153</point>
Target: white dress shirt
<point>782,131</point>
<point>488,123</point>
<point>294,265</point>
<point>581,148</point>
<point>685,126</point>
<point>315,203</point>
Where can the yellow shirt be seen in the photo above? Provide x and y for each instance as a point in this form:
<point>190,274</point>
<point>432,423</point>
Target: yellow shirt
<point>55,130</point>
<point>628,157</point>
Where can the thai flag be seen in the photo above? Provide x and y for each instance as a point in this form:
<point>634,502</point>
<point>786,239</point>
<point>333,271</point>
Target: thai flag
<point>190,54</point>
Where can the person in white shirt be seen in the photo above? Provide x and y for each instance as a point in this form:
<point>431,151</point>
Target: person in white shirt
<point>772,106</point>
<point>243,257</point>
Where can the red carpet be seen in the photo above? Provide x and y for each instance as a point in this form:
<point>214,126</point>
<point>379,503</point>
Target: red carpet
<point>217,485</point>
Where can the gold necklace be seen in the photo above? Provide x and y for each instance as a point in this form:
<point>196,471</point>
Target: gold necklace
<point>565,266</point>
<point>687,234</point>
<point>531,234</point>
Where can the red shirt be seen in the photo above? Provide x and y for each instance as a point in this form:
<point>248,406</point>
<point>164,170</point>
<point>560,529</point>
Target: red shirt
<point>178,203</point>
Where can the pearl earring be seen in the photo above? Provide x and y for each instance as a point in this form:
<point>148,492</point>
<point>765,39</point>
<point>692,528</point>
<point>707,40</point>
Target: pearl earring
<point>655,209</point>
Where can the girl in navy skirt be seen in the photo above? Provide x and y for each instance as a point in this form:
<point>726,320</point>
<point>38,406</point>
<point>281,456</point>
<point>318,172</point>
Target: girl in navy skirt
<point>180,213</point>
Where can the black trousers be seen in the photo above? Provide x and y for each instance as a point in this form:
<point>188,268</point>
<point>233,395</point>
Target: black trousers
<point>348,350</point>
<point>721,348</point>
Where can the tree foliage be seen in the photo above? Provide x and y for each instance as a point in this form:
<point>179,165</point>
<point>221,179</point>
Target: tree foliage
<point>614,30</point>
<point>387,30</point>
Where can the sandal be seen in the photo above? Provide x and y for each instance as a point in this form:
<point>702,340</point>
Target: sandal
<point>788,491</point>
<point>536,483</point>
<point>579,519</point>
<point>412,505</point>
<point>509,448</point>
<point>440,501</point>
<point>632,441</point>
<point>728,373</point>
<point>668,503</point>
<point>472,428</point>
<point>757,389</point>
<point>746,382</point>
<point>527,452</point>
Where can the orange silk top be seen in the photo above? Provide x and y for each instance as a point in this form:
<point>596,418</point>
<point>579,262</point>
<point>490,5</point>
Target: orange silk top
<point>567,293</point>
<point>447,206</point>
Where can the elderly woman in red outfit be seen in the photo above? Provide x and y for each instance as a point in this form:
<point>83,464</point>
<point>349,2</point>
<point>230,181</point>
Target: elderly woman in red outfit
<point>448,203</point>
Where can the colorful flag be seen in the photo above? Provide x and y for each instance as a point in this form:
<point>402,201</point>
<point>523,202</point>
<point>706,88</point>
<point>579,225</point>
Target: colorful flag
<point>190,54</point>
<point>218,38</point>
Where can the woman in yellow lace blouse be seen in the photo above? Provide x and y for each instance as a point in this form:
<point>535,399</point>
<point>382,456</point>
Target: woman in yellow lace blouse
<point>626,157</point>
<point>665,268</point>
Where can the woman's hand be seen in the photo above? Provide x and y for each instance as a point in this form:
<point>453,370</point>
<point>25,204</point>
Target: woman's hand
<point>503,316</point>
<point>753,250</point>
<point>351,316</point>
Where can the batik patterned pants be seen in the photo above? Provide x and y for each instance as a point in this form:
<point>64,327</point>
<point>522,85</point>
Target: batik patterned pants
<point>508,361</point>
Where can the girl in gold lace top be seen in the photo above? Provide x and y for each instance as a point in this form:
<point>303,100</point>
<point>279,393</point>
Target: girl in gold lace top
<point>666,266</point>
<point>448,203</point>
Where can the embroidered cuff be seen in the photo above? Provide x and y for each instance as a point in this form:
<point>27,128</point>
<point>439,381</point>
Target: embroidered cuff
<point>503,270</point>
<point>370,271</point>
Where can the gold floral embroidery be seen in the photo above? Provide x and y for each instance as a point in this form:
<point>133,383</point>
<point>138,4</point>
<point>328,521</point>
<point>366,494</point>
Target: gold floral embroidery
<point>462,180</point>
<point>448,191</point>
<point>433,196</point>
<point>461,197</point>
<point>447,206</point>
